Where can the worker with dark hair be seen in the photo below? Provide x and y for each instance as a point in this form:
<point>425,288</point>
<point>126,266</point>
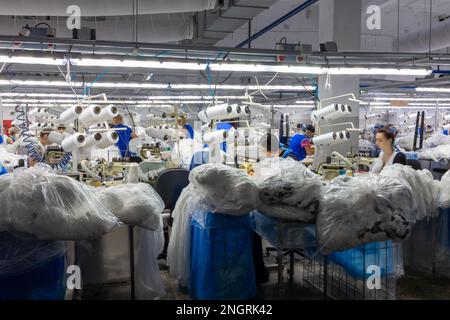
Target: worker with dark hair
<point>300,143</point>
<point>385,140</point>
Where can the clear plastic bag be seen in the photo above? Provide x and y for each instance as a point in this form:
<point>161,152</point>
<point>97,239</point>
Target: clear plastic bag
<point>425,188</point>
<point>405,142</point>
<point>53,207</point>
<point>149,285</point>
<point>21,253</point>
<point>178,252</point>
<point>287,189</point>
<point>437,154</point>
<point>227,190</point>
<point>444,196</point>
<point>437,139</point>
<point>363,209</point>
<point>135,204</point>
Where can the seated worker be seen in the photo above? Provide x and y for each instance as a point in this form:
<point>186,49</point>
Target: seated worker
<point>13,134</point>
<point>299,147</point>
<point>389,155</point>
<point>124,136</point>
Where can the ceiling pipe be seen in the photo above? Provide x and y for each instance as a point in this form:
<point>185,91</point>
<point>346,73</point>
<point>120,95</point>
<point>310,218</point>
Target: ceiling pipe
<point>410,83</point>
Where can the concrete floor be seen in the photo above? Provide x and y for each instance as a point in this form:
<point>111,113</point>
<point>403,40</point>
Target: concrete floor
<point>413,286</point>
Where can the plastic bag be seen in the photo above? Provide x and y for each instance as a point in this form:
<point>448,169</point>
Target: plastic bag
<point>437,139</point>
<point>52,207</point>
<point>444,196</point>
<point>364,209</point>
<point>183,151</point>
<point>148,282</point>
<point>437,154</point>
<point>287,189</point>
<point>135,204</point>
<point>178,251</point>
<point>227,190</point>
<point>425,188</point>
<point>405,142</point>
<point>21,253</point>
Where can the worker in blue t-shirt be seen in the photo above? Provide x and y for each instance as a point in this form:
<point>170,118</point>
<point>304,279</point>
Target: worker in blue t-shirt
<point>124,136</point>
<point>225,126</point>
<point>298,143</point>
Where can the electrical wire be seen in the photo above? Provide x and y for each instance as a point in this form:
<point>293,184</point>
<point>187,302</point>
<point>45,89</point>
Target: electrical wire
<point>30,142</point>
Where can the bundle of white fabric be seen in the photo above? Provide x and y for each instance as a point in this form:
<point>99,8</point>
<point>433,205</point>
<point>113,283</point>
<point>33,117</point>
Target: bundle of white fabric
<point>437,139</point>
<point>287,190</point>
<point>444,197</point>
<point>51,207</point>
<point>363,209</point>
<point>405,142</point>
<point>426,189</point>
<point>226,189</point>
<point>135,204</point>
<point>179,250</point>
<point>441,152</point>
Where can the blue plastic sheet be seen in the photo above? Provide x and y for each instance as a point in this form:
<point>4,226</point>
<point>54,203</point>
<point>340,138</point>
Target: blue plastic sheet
<point>356,260</point>
<point>46,282</point>
<point>283,235</point>
<point>2,169</point>
<point>221,257</point>
<point>31,269</point>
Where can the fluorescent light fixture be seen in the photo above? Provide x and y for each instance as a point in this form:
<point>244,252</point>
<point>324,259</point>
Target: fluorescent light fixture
<point>281,68</point>
<point>411,99</point>
<point>130,85</point>
<point>379,71</point>
<point>124,62</point>
<point>293,106</point>
<point>47,95</point>
<point>305,102</point>
<point>195,97</point>
<point>431,89</point>
<point>402,108</point>
<point>32,60</point>
<point>128,63</point>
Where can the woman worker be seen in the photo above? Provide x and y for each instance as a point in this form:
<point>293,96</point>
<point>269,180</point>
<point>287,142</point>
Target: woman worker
<point>385,139</point>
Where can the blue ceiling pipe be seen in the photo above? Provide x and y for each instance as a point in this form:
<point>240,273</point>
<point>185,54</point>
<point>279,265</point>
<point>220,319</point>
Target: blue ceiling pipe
<point>288,15</point>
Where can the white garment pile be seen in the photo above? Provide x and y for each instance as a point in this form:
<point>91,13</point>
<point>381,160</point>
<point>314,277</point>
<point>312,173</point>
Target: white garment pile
<point>437,139</point>
<point>426,190</point>
<point>287,189</point>
<point>363,209</point>
<point>183,151</point>
<point>8,159</point>
<point>178,252</point>
<point>405,142</point>
<point>444,197</point>
<point>51,207</point>
<point>135,204</point>
<point>226,189</point>
<point>149,285</point>
<point>437,154</point>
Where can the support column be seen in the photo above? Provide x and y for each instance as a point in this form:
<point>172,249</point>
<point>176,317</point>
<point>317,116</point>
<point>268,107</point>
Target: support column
<point>340,21</point>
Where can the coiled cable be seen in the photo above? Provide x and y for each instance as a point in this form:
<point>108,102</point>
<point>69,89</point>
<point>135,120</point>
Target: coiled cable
<point>30,142</point>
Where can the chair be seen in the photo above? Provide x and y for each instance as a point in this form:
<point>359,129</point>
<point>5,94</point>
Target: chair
<point>169,185</point>
<point>415,164</point>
